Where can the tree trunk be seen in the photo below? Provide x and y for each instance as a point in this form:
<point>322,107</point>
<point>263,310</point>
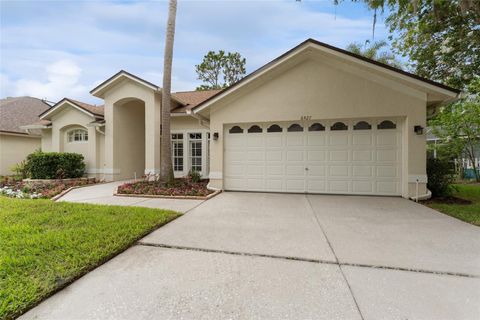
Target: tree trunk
<point>166,170</point>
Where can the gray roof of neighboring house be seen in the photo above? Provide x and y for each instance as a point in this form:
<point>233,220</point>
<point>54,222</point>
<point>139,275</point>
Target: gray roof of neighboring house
<point>19,111</point>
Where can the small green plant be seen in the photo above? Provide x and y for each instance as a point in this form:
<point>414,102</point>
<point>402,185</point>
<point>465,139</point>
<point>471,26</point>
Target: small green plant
<point>20,169</point>
<point>441,176</point>
<point>194,176</point>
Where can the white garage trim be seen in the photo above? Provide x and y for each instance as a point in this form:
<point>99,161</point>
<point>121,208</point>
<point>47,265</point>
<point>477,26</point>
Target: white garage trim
<point>351,156</point>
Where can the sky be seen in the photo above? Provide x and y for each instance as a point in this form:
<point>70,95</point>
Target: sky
<point>56,49</point>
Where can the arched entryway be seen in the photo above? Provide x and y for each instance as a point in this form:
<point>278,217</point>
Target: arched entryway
<point>129,137</point>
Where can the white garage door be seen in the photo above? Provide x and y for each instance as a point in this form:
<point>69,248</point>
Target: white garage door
<point>343,157</point>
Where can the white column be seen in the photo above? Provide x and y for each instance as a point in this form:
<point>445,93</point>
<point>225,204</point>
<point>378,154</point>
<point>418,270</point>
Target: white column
<point>152,134</point>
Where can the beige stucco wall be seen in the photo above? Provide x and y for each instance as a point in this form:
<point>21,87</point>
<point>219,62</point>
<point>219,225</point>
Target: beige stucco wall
<point>46,140</point>
<point>141,133</point>
<point>185,123</point>
<point>323,89</point>
<point>14,149</point>
<point>55,138</point>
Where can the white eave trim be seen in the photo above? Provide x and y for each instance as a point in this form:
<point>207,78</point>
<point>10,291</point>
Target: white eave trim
<point>61,104</point>
<point>122,74</point>
<point>35,126</point>
<point>310,45</point>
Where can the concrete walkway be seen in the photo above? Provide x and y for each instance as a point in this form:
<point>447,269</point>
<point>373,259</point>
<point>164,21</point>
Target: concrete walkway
<point>287,256</point>
<point>103,194</point>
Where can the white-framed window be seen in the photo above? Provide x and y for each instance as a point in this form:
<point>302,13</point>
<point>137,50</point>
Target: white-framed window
<point>177,152</point>
<point>77,135</point>
<point>195,151</point>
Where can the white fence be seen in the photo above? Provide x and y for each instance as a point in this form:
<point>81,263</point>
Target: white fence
<point>466,163</point>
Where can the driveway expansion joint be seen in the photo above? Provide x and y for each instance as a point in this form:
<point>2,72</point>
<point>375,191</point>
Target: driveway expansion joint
<point>320,261</point>
<point>335,255</point>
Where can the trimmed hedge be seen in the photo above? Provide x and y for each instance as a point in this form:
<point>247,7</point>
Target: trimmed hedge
<point>55,165</point>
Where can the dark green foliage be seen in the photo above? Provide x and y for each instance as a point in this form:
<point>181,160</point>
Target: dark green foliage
<point>377,50</point>
<point>441,176</point>
<point>220,70</point>
<point>194,176</point>
<point>440,37</point>
<point>55,165</point>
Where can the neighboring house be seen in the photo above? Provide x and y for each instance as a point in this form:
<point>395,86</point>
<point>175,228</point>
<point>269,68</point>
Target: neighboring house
<point>17,143</point>
<point>463,162</point>
<point>317,119</point>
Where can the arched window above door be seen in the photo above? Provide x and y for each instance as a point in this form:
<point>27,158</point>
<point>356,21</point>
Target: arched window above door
<point>77,135</point>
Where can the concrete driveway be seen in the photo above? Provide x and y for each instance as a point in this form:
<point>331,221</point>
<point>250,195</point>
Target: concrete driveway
<point>287,256</point>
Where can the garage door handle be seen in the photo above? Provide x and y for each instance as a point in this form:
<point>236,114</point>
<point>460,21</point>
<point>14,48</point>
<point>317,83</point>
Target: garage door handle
<point>306,169</point>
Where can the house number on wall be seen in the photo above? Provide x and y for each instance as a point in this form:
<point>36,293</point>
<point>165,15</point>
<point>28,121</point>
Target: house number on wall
<point>306,118</point>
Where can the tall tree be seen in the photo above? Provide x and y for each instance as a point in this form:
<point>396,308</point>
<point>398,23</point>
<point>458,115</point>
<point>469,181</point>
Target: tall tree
<point>220,70</point>
<point>440,37</point>
<point>374,51</point>
<point>166,170</point>
<point>458,127</point>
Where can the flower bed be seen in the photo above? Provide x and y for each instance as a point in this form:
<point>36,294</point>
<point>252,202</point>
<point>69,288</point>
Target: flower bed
<point>179,188</point>
<point>45,189</point>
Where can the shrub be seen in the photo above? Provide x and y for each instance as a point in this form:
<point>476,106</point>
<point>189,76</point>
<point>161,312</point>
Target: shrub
<point>441,176</point>
<point>55,165</point>
<point>194,176</point>
<point>20,169</point>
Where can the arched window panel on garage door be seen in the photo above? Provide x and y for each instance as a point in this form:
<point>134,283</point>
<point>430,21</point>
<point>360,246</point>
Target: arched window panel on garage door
<point>316,127</point>
<point>362,125</point>
<point>295,128</point>
<point>235,129</point>
<point>386,124</point>
<point>338,126</point>
<point>255,129</point>
<point>274,128</point>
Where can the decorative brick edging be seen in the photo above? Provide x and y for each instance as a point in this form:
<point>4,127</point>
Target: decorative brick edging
<point>211,195</point>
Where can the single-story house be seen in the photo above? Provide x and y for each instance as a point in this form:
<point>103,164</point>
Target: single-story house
<point>317,119</point>
<point>16,143</point>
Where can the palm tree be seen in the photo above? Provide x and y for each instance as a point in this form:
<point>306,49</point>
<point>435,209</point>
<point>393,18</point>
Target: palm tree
<point>166,170</point>
<point>374,51</point>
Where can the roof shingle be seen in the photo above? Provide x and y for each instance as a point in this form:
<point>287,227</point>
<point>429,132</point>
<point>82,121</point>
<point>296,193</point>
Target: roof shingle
<point>19,111</point>
<point>192,99</point>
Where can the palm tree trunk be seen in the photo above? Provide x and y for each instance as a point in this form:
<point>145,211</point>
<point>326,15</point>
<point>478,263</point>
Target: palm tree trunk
<point>166,170</point>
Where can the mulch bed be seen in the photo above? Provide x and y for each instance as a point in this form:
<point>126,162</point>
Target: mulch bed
<point>447,200</point>
<point>179,188</point>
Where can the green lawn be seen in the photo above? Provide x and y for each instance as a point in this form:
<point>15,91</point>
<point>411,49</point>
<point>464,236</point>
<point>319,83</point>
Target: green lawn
<point>45,245</point>
<point>467,212</point>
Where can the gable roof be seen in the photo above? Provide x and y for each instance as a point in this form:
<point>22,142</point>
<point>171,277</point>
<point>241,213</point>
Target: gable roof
<point>122,74</point>
<point>99,90</point>
<point>325,47</point>
<point>19,111</point>
<point>91,110</point>
<point>192,99</point>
